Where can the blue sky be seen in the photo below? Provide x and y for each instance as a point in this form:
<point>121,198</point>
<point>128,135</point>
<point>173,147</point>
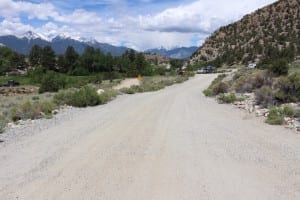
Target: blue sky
<point>139,24</point>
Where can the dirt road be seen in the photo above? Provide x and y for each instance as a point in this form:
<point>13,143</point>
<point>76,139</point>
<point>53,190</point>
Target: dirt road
<point>166,145</point>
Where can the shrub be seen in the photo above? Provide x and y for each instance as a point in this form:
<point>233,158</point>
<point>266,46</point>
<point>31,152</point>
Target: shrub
<point>229,98</point>
<point>86,96</point>
<point>289,88</point>
<point>63,97</point>
<point>35,110</point>
<point>289,111</point>
<point>46,107</point>
<point>221,87</point>
<point>128,90</point>
<point>275,116</point>
<point>208,92</point>
<point>25,111</point>
<point>255,80</point>
<point>52,82</point>
<point>279,67</point>
<point>297,113</point>
<point>107,96</point>
<point>265,96</point>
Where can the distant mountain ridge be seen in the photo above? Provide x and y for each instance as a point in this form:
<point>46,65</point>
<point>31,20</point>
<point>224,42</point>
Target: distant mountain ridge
<point>267,33</point>
<point>176,53</point>
<point>23,44</point>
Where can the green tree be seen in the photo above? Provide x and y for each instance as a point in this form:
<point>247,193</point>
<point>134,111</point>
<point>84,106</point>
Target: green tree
<point>48,58</point>
<point>35,55</point>
<point>71,57</point>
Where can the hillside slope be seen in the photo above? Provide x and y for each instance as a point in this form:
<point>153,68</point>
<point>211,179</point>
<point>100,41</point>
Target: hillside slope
<point>270,32</point>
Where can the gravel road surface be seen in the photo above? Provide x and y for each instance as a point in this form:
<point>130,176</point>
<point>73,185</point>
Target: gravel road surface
<point>173,144</point>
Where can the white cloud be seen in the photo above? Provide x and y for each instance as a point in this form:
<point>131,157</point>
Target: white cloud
<point>184,25</point>
<point>199,16</point>
<point>42,11</point>
<point>13,26</point>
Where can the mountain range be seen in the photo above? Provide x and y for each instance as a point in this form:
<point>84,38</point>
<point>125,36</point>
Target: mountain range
<point>176,53</point>
<point>23,44</point>
<point>268,33</point>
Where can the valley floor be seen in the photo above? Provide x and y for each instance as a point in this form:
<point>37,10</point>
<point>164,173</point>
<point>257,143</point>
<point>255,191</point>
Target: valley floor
<point>170,144</point>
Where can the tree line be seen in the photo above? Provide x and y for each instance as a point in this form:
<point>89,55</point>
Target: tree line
<point>91,61</point>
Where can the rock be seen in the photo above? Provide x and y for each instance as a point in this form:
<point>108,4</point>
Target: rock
<point>297,125</point>
<point>100,91</point>
<point>11,125</point>
<point>55,112</point>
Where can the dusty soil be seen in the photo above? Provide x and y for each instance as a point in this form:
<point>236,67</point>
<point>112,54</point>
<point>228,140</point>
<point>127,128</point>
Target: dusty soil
<point>171,144</point>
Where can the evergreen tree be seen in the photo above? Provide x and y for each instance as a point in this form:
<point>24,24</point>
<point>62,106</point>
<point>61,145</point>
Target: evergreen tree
<point>48,58</point>
<point>35,55</point>
<point>71,57</point>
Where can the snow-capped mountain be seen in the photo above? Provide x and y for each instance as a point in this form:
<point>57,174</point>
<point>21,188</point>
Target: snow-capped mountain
<point>88,40</point>
<point>59,43</point>
<point>32,36</point>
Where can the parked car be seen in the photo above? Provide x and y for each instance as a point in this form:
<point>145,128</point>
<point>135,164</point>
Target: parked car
<point>206,70</point>
<point>10,83</point>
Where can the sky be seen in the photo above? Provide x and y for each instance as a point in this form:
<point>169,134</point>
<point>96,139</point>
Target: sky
<point>138,24</point>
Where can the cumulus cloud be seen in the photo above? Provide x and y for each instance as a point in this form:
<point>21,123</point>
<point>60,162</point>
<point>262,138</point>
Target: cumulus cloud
<point>199,16</point>
<point>182,25</point>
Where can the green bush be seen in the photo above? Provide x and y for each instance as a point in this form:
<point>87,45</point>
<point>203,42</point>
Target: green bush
<point>251,81</point>
<point>208,92</point>
<point>297,113</point>
<point>265,96</point>
<point>217,86</point>
<point>128,90</point>
<point>46,107</point>
<point>279,67</point>
<point>107,96</point>
<point>288,88</point>
<point>229,98</point>
<point>86,96</point>
<point>64,97</point>
<point>289,111</point>
<point>221,87</point>
<point>275,117</point>
<point>52,82</point>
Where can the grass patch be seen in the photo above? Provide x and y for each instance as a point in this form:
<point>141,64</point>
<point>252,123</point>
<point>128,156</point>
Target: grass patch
<point>289,111</point>
<point>227,98</point>
<point>275,117</point>
<point>32,110</point>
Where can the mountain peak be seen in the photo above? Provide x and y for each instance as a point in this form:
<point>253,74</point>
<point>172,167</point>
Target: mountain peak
<point>89,40</point>
<point>30,35</point>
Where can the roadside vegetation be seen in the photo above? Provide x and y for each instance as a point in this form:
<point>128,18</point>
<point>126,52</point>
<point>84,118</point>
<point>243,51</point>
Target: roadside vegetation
<point>274,85</point>
<point>150,84</point>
